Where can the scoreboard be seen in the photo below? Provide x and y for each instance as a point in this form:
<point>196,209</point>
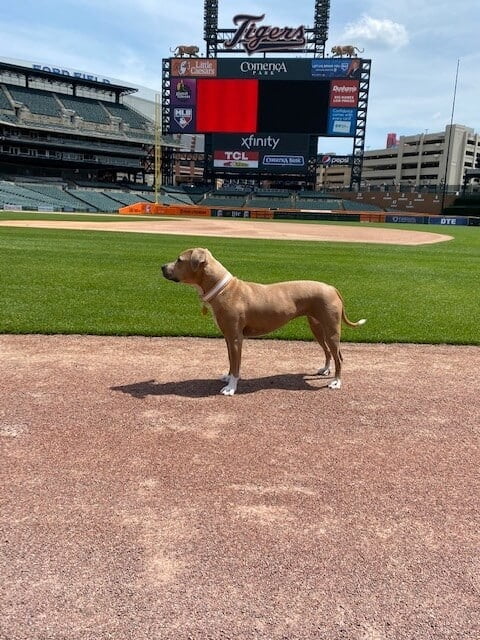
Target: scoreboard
<point>311,96</point>
<point>262,114</point>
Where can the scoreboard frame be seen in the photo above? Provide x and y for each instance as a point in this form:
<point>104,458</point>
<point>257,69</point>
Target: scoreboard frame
<point>343,83</point>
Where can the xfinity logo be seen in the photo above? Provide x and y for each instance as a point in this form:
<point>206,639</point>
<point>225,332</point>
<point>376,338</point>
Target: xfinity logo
<point>263,68</point>
<point>256,142</point>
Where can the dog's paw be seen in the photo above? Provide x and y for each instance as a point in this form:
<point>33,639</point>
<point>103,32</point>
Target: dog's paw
<point>324,371</point>
<point>231,387</point>
<point>335,384</point>
<point>227,391</point>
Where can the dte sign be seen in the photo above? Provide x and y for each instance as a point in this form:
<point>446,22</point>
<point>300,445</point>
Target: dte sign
<point>449,221</point>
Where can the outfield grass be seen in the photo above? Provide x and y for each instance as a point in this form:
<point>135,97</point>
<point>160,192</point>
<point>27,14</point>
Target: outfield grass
<point>56,281</point>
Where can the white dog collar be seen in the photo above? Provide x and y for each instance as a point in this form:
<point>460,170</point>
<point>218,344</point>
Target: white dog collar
<point>220,286</point>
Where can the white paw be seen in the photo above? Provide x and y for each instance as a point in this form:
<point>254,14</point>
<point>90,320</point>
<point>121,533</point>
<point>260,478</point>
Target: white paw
<point>335,384</point>
<point>324,371</point>
<point>231,387</point>
<point>228,391</point>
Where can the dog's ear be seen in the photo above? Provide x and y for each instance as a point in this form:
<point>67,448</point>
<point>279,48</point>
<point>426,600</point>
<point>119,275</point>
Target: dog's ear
<point>198,258</point>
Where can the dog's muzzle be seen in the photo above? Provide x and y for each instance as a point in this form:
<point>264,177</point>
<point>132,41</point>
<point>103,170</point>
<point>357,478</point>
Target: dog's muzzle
<point>167,273</point>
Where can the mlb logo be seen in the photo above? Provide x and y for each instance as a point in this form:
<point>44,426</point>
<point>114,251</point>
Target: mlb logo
<point>183,117</point>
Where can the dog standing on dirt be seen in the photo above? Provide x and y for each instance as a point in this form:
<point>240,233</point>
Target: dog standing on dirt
<point>247,309</point>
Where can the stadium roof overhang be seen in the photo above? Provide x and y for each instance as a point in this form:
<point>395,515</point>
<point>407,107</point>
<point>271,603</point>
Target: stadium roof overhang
<point>73,81</point>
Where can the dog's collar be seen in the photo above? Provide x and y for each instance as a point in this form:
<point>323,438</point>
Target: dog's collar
<point>220,286</point>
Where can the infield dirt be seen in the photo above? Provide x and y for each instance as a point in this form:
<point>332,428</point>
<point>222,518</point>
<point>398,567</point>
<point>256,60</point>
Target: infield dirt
<point>245,229</point>
<point>138,503</point>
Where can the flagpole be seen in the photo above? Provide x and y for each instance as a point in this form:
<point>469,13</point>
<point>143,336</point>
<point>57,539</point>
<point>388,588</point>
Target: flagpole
<point>447,158</point>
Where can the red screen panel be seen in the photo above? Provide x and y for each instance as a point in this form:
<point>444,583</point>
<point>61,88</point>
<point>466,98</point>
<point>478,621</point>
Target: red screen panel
<point>227,106</point>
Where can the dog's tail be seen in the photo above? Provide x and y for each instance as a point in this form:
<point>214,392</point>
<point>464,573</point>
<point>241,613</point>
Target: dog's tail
<point>344,315</point>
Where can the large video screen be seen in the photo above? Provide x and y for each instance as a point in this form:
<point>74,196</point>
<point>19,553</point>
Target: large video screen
<point>255,106</point>
<point>298,96</point>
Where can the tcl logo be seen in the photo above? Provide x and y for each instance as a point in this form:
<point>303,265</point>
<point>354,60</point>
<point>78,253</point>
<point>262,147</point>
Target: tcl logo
<point>236,155</point>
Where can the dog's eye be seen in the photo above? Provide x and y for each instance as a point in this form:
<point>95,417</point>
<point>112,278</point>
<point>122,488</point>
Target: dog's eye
<point>179,259</point>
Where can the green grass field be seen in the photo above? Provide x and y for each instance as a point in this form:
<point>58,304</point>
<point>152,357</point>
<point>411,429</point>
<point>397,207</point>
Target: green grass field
<point>90,282</point>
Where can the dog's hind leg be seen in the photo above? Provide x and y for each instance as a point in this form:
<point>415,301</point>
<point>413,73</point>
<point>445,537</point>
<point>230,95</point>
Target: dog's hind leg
<point>317,331</point>
<point>333,344</point>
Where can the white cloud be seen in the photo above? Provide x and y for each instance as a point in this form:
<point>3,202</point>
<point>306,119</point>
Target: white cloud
<point>384,33</point>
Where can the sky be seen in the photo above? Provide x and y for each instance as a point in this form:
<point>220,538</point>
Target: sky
<point>414,46</point>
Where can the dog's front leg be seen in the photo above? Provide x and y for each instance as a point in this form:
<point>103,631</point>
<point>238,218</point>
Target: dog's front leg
<point>234,346</point>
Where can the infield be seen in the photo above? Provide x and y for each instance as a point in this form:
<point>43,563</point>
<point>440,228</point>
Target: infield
<point>246,229</point>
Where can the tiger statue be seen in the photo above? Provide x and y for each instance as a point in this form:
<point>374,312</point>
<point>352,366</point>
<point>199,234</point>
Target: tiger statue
<point>190,50</point>
<point>346,50</point>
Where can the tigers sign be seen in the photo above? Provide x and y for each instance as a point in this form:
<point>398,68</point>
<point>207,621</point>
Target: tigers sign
<point>254,38</point>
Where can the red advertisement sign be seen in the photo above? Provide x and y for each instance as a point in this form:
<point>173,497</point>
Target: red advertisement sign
<point>236,159</point>
<point>344,93</point>
<point>196,67</point>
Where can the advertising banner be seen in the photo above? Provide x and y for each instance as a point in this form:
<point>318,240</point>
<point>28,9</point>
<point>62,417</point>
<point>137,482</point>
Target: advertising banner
<point>341,121</point>
<point>265,68</point>
<point>332,161</point>
<point>457,221</point>
<point>194,67</point>
<point>308,215</point>
<point>183,92</point>
<point>405,219</point>
<point>268,68</point>
<point>275,153</point>
<point>236,159</point>
<point>230,213</point>
<point>344,93</point>
<point>336,68</point>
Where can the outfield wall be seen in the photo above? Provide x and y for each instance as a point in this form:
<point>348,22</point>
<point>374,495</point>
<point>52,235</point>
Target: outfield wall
<point>146,208</point>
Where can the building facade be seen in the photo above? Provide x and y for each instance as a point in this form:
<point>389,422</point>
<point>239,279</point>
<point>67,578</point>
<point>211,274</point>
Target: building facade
<point>421,161</point>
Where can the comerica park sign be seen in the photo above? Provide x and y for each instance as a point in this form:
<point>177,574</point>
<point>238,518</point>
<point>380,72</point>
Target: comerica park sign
<point>256,38</point>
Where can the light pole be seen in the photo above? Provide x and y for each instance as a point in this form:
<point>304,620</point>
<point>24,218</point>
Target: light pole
<point>447,158</point>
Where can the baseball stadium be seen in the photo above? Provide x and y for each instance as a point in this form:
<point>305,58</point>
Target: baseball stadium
<point>141,497</point>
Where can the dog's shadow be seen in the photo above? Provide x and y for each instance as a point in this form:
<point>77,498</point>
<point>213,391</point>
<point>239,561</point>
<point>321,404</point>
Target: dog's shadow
<point>201,388</point>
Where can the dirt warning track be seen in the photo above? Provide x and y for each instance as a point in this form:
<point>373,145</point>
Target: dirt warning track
<point>138,503</point>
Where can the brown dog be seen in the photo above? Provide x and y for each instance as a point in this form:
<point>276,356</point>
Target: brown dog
<point>247,309</point>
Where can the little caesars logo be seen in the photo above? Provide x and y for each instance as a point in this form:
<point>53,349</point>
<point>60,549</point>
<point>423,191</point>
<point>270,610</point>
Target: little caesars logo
<point>197,67</point>
<point>265,38</point>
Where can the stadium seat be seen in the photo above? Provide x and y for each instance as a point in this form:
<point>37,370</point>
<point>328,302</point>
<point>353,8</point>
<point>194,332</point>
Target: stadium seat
<point>64,199</point>
<point>8,117</point>
<point>36,100</point>
<point>90,110</point>
<point>359,205</point>
<point>127,198</point>
<point>132,118</point>
<point>319,204</point>
<point>99,201</point>
<point>4,102</point>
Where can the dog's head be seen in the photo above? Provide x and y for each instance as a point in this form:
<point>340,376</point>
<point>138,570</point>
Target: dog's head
<point>189,267</point>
